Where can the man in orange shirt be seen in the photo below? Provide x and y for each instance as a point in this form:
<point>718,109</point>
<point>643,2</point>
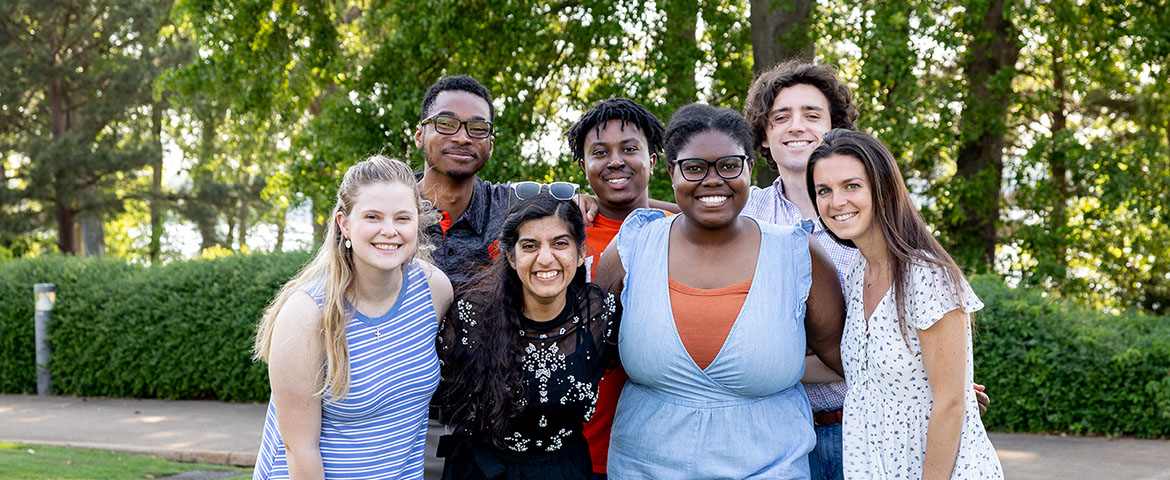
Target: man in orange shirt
<point>617,143</point>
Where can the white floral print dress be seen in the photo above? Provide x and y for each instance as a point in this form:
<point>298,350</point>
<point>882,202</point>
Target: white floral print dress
<point>887,407</point>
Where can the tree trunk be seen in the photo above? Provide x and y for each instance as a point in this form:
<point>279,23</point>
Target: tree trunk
<point>231,233</point>
<point>242,218</point>
<point>207,235</point>
<point>65,239</point>
<point>989,69</point>
<point>680,51</point>
<point>780,31</point>
<point>281,225</point>
<point>1058,164</point>
<point>156,182</point>
<point>93,234</point>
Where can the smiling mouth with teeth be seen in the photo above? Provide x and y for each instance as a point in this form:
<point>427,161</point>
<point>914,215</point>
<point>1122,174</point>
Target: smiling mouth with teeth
<point>712,200</point>
<point>617,181</point>
<point>546,275</point>
<point>843,217</point>
<point>385,247</point>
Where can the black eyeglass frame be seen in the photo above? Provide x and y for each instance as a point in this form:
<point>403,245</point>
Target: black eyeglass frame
<point>540,187</point>
<point>742,163</point>
<point>462,124</point>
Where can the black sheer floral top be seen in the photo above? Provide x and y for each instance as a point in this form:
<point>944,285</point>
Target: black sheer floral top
<point>564,360</point>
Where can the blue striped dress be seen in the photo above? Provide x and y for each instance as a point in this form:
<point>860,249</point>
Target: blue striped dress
<point>379,429</point>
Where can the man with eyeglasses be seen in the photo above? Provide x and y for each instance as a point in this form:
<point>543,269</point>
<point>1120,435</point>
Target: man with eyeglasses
<point>455,136</point>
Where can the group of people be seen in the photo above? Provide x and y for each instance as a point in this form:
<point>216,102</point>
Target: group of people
<point>813,328</point>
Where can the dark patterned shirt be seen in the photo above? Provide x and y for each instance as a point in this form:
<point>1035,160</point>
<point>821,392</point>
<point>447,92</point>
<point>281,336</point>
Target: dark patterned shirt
<point>466,244</point>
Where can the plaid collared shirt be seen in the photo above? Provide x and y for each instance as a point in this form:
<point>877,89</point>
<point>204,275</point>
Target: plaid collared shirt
<point>770,205</point>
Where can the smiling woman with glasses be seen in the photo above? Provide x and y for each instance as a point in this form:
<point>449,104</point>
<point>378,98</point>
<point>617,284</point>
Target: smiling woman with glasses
<point>728,167</point>
<point>717,311</point>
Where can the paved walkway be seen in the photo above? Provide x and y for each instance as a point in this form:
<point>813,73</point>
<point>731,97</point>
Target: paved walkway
<point>229,433</point>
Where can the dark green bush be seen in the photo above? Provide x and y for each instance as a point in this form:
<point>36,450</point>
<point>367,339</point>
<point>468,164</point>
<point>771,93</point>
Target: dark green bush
<point>82,285</point>
<point>183,330</point>
<point>1050,366</point>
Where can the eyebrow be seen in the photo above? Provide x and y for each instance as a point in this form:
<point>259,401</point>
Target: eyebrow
<point>452,114</point>
<point>374,210</point>
<point>558,237</point>
<point>815,108</point>
<point>619,142</point>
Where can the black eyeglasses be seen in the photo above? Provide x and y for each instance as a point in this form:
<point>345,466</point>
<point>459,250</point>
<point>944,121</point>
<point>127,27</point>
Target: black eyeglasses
<point>448,125</point>
<point>695,169</point>
<point>559,190</point>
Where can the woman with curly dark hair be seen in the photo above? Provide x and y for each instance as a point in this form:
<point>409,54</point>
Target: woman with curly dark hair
<point>524,349</point>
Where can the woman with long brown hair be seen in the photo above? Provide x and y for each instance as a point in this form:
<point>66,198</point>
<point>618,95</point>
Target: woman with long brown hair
<point>910,411</point>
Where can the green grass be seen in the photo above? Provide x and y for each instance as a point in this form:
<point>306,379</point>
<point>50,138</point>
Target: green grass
<point>41,462</point>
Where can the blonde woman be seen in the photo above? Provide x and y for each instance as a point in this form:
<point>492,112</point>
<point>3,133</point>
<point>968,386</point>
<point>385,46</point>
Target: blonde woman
<point>349,341</point>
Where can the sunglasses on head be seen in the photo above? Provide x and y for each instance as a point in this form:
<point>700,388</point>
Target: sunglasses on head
<point>559,190</point>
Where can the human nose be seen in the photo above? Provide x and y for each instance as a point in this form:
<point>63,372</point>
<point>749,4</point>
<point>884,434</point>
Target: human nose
<point>797,125</point>
<point>544,256</point>
<point>389,229</point>
<point>711,175</point>
<point>615,161</point>
<point>461,135</point>
<point>836,200</point>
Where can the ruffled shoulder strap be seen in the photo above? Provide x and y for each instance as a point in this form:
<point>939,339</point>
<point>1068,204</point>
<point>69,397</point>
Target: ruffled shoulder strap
<point>632,232</point>
<point>932,294</point>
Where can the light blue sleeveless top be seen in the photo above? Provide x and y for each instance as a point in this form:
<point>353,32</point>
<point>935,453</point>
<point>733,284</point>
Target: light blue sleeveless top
<point>744,416</point>
<point>379,429</point>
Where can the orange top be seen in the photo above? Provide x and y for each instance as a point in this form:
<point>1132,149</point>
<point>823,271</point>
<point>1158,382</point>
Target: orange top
<point>597,238</point>
<point>704,318</point>
<point>596,431</point>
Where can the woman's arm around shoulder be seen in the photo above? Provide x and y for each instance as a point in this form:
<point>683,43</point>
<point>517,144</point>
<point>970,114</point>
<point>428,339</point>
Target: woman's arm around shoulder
<point>442,293</point>
<point>824,318</point>
<point>944,354</point>
<point>296,373</point>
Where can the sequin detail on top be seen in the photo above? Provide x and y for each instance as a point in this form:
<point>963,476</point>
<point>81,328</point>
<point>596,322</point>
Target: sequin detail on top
<point>563,363</point>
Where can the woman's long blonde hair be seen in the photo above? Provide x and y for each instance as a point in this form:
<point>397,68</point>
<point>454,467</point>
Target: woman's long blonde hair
<point>334,264</point>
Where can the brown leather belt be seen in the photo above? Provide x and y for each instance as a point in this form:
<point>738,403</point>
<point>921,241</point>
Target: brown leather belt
<point>827,417</point>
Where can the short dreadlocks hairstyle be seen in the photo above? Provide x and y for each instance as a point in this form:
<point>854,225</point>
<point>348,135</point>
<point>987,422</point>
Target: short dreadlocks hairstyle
<point>623,109</point>
<point>460,83</point>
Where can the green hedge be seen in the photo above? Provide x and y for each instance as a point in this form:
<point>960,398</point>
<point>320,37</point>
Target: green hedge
<point>1049,366</point>
<point>184,330</point>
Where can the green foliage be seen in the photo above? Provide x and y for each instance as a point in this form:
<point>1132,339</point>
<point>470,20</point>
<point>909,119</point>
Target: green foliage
<point>1050,366</point>
<point>183,330</point>
<point>76,77</point>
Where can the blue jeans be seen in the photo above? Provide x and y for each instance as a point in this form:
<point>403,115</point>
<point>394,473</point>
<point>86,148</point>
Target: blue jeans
<point>824,463</point>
